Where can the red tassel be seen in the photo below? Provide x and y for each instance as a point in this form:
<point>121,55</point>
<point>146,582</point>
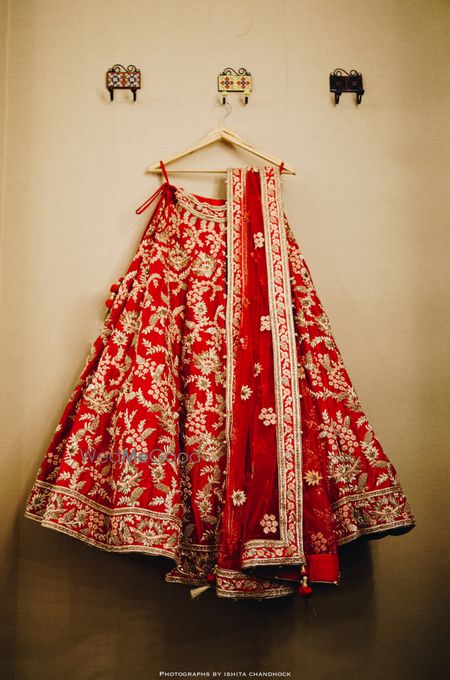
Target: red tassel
<point>114,288</point>
<point>109,303</point>
<point>211,578</point>
<point>304,589</point>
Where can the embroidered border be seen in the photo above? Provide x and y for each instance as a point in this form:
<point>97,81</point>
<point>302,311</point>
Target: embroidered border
<point>128,529</point>
<point>235,584</point>
<point>381,510</point>
<point>173,577</point>
<point>194,562</point>
<point>199,208</point>
<point>235,194</point>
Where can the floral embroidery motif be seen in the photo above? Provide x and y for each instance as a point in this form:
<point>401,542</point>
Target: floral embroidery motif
<point>238,497</point>
<point>258,239</point>
<point>347,519</point>
<point>269,524</point>
<point>203,383</point>
<point>257,369</point>
<point>246,392</point>
<point>52,458</point>
<point>312,477</point>
<point>319,542</point>
<point>208,362</point>
<point>264,324</point>
<point>268,416</point>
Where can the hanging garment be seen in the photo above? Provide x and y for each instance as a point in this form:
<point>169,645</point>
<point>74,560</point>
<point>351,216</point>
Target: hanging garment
<point>214,422</point>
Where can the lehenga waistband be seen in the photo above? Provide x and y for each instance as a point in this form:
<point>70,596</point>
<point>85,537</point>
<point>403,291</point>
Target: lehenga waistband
<point>202,206</point>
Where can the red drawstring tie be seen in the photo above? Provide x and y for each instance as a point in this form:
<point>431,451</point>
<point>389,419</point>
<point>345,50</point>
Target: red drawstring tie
<point>163,189</point>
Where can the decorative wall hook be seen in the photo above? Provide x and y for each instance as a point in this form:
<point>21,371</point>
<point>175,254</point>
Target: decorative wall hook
<point>350,82</point>
<point>120,78</point>
<point>234,81</point>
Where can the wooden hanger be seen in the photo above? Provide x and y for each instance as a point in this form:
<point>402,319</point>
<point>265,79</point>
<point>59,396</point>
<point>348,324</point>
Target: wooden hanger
<point>217,135</point>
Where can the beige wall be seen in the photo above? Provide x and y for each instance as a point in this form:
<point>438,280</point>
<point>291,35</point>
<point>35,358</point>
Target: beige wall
<point>370,210</point>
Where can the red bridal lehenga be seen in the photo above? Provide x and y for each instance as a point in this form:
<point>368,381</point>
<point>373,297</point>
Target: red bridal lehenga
<point>214,422</point>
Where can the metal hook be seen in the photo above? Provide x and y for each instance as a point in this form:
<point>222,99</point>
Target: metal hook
<point>230,108</point>
<point>342,81</point>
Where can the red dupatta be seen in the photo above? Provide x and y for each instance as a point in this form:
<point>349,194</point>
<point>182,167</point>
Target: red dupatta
<point>262,517</point>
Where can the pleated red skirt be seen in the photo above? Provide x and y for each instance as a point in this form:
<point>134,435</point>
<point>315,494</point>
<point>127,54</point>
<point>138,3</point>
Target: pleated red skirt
<point>214,422</point>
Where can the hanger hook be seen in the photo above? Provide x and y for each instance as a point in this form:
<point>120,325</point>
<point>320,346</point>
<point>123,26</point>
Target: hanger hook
<point>229,109</point>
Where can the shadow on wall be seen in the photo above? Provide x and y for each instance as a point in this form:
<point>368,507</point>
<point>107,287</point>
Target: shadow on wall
<point>111,615</point>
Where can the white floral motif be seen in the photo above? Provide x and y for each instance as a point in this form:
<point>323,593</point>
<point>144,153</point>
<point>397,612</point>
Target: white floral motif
<point>246,392</point>
<point>119,338</point>
<point>268,416</point>
<point>264,324</point>
<point>203,383</point>
<point>208,361</point>
<point>238,497</point>
<point>258,239</point>
<point>200,310</point>
<point>269,524</point>
<point>142,366</point>
<point>257,368</point>
<point>203,502</point>
<point>130,321</point>
<point>95,520</point>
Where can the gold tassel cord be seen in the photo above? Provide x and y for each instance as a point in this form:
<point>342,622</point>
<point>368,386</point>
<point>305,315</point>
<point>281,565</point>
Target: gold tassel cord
<point>196,592</point>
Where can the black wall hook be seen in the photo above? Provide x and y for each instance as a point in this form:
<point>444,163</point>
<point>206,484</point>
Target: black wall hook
<point>350,82</point>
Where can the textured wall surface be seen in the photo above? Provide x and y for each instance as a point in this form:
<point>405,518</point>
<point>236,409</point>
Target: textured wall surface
<point>369,208</point>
